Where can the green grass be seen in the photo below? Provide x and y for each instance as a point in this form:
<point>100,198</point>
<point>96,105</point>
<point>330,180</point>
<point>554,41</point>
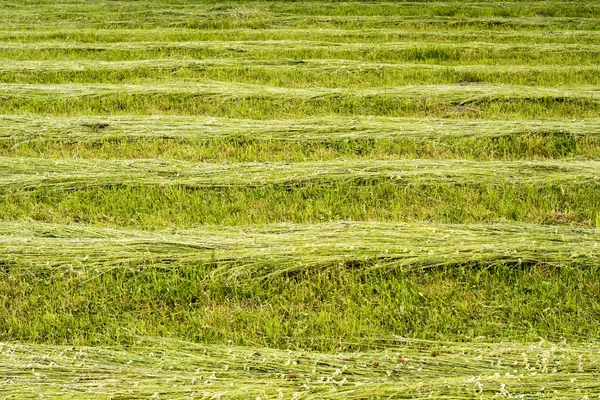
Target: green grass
<point>264,102</point>
<point>157,193</point>
<point>218,139</point>
<point>320,35</point>
<point>261,199</point>
<point>211,15</point>
<point>446,54</point>
<point>152,207</point>
<point>301,74</point>
<point>276,284</point>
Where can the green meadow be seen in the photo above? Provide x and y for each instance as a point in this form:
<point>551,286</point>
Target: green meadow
<point>299,200</point>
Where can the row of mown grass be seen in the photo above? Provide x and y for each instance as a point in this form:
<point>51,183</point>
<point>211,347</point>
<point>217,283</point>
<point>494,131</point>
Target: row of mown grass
<point>154,368</point>
<point>218,139</point>
<point>320,177</point>
<point>161,193</point>
<point>263,102</point>
<point>298,285</point>
<point>305,74</point>
<point>403,52</point>
<point>212,15</point>
<point>373,36</point>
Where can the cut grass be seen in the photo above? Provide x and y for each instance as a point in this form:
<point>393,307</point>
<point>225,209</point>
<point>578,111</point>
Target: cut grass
<point>305,286</point>
<point>287,247</point>
<point>402,52</point>
<point>319,35</point>
<point>28,173</point>
<point>378,180</point>
<point>291,74</point>
<point>405,369</point>
<point>26,128</point>
<point>219,139</point>
<point>163,193</point>
<point>350,15</point>
<point>264,102</point>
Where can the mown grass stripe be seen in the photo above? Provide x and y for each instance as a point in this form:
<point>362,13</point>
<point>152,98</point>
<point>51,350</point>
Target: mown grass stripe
<point>517,24</point>
<point>320,64</point>
<point>448,54</point>
<point>366,36</point>
<point>258,15</point>
<point>453,93</point>
<point>218,139</point>
<point>81,129</point>
<point>261,251</point>
<point>273,44</point>
<point>267,102</point>
<point>290,74</point>
<point>179,369</point>
<point>31,172</point>
<point>131,204</point>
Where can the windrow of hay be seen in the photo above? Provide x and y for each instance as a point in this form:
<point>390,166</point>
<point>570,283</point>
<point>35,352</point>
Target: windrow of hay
<point>241,252</point>
<point>68,174</point>
<point>166,368</point>
<point>445,93</point>
<point>25,128</point>
<point>219,99</point>
<point>299,200</point>
<point>370,36</point>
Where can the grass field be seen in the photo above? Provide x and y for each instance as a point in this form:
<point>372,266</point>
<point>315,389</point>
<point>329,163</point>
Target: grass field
<point>299,200</point>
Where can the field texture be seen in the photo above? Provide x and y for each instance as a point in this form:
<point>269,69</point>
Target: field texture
<point>299,200</point>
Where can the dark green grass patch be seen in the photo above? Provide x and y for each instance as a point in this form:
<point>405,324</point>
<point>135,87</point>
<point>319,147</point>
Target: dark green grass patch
<point>423,53</point>
<point>310,74</point>
<point>246,148</point>
<point>269,103</point>
<point>310,310</point>
<point>154,207</point>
